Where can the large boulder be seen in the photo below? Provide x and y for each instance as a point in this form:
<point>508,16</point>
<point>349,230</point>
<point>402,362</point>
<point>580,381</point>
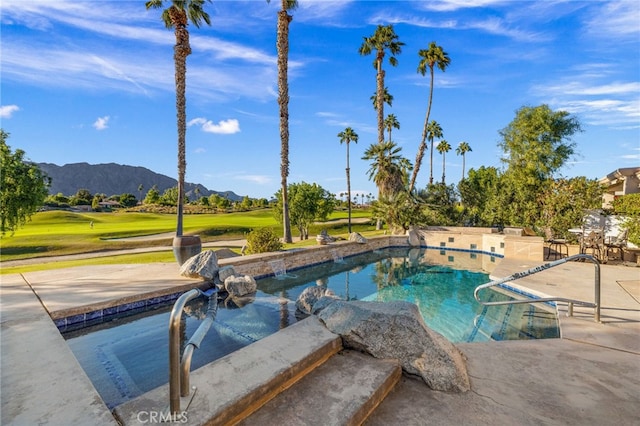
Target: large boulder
<point>354,236</point>
<point>397,330</point>
<point>203,265</point>
<point>310,296</point>
<point>238,286</point>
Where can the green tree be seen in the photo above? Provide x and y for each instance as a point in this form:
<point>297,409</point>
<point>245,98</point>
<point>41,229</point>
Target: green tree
<point>347,136</point>
<point>23,187</point>
<point>400,210</point>
<point>440,204</point>
<point>282,46</point>
<point>170,196</point>
<point>434,130</point>
<point>562,203</point>
<point>389,171</point>
<point>128,200</point>
<point>153,196</point>
<point>177,17</point>
<point>462,149</point>
<point>387,98</point>
<point>629,206</point>
<point>433,56</point>
<point>443,147</point>
<point>82,197</point>
<point>95,203</point>
<point>477,193</point>
<point>391,122</point>
<point>307,203</point>
<point>383,39</point>
<point>245,204</point>
<point>57,200</point>
<point>536,144</point>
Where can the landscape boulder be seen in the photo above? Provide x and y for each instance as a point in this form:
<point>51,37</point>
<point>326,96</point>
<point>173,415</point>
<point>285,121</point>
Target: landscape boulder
<point>238,286</point>
<point>310,296</point>
<point>354,236</point>
<point>414,236</point>
<point>324,238</point>
<point>203,265</point>
<point>226,272</point>
<point>396,330</point>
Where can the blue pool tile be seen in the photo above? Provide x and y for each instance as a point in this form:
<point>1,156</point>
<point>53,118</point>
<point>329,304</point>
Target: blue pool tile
<point>74,319</point>
<point>94,315</point>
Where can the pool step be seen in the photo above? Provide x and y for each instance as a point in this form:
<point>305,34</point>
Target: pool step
<point>300,375</point>
<point>343,391</point>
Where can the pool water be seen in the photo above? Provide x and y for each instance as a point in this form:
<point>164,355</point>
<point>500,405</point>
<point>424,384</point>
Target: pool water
<point>129,356</point>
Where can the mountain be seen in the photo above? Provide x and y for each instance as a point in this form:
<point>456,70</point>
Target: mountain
<point>116,179</point>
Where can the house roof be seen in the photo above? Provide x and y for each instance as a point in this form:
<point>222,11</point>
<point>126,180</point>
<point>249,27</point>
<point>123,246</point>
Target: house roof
<point>620,175</point>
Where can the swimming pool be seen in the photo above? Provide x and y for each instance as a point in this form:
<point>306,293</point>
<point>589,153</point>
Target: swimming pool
<point>129,356</point>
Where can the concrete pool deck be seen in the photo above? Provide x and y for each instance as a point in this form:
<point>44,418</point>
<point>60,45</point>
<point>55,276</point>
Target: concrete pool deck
<point>589,376</point>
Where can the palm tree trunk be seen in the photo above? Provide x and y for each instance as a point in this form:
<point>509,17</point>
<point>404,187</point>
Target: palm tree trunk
<point>429,111</point>
<point>348,189</point>
<point>181,50</point>
<point>380,100</point>
<point>423,144</point>
<point>283,100</point>
<point>463,161</point>
<point>380,111</point>
<point>443,168</point>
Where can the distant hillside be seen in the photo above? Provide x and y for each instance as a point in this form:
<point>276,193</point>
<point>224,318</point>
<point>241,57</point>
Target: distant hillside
<point>116,179</point>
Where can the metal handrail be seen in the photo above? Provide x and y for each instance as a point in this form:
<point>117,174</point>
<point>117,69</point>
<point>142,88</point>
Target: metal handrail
<point>571,302</point>
<point>177,367</point>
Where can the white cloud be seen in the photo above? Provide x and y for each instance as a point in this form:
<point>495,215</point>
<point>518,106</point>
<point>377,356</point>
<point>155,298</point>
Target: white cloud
<point>101,123</point>
<point>258,179</point>
<point>452,5</point>
<point>7,110</point>
<point>224,127</point>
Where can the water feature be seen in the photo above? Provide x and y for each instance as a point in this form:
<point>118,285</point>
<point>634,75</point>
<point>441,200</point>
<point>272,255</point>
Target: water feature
<point>129,356</point>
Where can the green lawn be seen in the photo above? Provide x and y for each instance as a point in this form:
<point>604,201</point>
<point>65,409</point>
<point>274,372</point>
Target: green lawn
<point>55,233</point>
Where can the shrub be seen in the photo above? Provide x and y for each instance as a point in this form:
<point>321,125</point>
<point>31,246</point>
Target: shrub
<point>629,206</point>
<point>263,240</point>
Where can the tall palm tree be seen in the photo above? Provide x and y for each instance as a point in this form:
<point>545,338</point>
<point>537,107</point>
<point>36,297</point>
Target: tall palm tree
<point>383,39</point>
<point>388,169</point>
<point>433,56</point>
<point>177,16</point>
<point>391,122</point>
<point>434,130</point>
<point>387,98</point>
<point>348,135</point>
<point>282,45</point>
<point>443,147</point>
<point>462,149</point>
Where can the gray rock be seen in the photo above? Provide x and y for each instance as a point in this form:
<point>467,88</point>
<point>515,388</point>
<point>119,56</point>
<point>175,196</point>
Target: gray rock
<point>203,265</point>
<point>324,238</point>
<point>354,236</point>
<point>226,272</point>
<point>322,303</point>
<point>240,286</point>
<point>414,236</point>
<point>310,296</point>
<point>397,330</point>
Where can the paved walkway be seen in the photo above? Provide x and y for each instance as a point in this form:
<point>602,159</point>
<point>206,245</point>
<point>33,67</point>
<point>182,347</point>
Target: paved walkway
<point>589,376</point>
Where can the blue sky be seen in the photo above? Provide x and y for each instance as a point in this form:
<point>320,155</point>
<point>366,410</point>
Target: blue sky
<point>93,81</point>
